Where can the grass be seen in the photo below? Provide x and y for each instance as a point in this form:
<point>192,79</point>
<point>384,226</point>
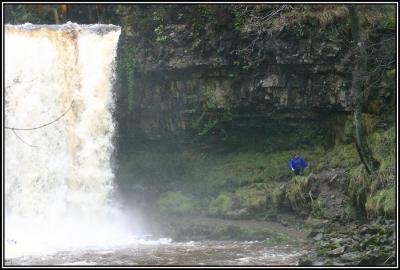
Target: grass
<point>246,168</point>
<point>342,155</point>
<point>252,197</point>
<point>295,190</point>
<point>242,169</point>
<point>277,196</point>
<point>375,193</point>
<point>358,186</point>
<point>318,208</point>
<point>382,203</point>
<point>175,203</point>
<point>244,184</point>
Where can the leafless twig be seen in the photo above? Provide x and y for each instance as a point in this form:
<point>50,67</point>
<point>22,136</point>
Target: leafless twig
<point>41,126</point>
<point>22,139</point>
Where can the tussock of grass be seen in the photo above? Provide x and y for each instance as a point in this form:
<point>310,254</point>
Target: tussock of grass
<point>358,186</point>
<point>277,196</point>
<point>318,208</point>
<point>382,203</point>
<point>295,191</point>
<point>369,191</point>
<point>383,145</point>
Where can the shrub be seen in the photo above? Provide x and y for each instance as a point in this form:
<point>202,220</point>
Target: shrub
<point>221,206</point>
<point>175,203</point>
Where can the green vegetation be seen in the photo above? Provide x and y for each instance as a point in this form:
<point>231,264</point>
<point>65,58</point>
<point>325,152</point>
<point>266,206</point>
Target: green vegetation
<point>295,192</point>
<point>160,29</point>
<point>252,184</point>
<point>342,155</point>
<point>175,203</point>
<point>350,212</point>
<point>277,196</point>
<point>253,197</point>
<point>358,187</point>
<point>318,208</point>
<point>221,206</point>
<point>242,169</point>
<point>382,203</point>
<point>126,67</point>
<point>238,19</point>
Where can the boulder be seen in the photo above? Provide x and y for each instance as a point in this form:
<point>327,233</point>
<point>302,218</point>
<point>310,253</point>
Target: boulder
<point>336,252</point>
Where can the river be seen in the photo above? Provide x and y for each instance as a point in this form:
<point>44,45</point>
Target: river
<point>165,252</point>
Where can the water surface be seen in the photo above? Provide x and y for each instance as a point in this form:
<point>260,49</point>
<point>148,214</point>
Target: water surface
<point>166,252</point>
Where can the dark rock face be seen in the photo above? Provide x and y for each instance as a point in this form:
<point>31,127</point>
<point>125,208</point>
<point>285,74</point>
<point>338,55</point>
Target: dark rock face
<point>181,79</point>
<point>191,79</point>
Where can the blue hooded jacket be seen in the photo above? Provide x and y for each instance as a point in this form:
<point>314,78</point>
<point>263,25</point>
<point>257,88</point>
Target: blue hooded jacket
<point>298,163</point>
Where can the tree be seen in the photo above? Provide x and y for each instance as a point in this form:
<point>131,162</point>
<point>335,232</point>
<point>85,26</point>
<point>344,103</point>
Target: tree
<point>359,75</point>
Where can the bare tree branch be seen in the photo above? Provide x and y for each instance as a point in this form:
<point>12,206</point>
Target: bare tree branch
<point>22,139</point>
<point>41,126</point>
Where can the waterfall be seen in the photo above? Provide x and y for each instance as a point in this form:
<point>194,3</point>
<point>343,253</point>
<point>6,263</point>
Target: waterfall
<point>58,137</point>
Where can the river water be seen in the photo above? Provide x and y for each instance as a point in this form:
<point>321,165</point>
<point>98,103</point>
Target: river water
<point>165,252</point>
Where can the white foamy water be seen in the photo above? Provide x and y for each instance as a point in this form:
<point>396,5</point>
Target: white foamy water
<point>58,178</point>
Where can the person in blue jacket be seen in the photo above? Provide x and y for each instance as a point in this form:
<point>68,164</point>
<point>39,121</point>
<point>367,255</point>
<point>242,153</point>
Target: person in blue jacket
<point>298,164</point>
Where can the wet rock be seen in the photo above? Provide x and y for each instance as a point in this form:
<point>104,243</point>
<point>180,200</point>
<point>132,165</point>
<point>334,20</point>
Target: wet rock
<point>367,231</point>
<point>313,233</point>
<point>324,244</point>
<point>351,256</point>
<point>378,220</point>
<point>316,223</point>
<point>305,261</point>
<point>337,251</point>
<point>337,240</point>
<point>318,237</point>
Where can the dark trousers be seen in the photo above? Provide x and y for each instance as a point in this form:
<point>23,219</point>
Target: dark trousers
<point>298,171</point>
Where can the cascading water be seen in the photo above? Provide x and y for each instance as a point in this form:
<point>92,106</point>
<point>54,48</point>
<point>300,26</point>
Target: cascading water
<point>58,177</point>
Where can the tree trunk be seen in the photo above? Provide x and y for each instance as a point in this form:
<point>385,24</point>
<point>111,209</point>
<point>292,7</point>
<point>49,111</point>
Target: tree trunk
<point>358,80</point>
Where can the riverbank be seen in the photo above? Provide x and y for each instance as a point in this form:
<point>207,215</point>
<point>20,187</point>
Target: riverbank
<point>197,194</point>
<point>352,244</point>
<point>205,228</point>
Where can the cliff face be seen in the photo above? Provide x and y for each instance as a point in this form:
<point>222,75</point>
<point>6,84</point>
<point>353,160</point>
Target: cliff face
<point>218,75</point>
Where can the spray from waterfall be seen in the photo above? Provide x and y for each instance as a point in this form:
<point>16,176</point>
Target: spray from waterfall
<point>58,137</point>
